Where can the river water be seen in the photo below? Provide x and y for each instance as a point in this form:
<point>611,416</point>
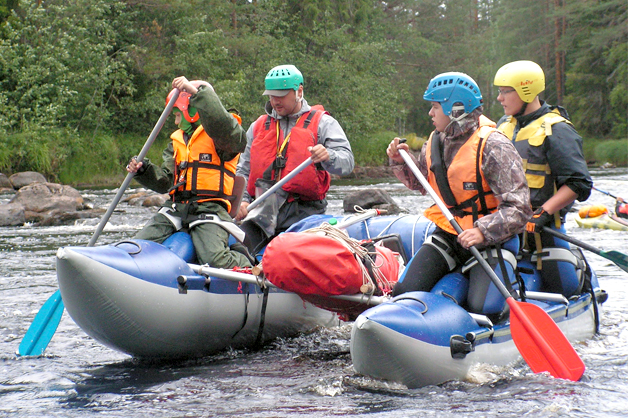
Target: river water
<point>310,375</point>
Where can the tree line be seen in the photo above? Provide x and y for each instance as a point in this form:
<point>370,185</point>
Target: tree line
<point>76,72</point>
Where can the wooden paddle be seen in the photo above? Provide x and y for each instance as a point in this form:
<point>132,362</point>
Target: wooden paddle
<point>537,337</point>
<point>620,259</point>
<point>47,320</point>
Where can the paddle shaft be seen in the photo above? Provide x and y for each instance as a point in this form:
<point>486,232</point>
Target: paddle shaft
<point>620,259</point>
<point>606,193</point>
<point>129,176</point>
<point>567,238</point>
<point>280,183</point>
<point>354,219</point>
<point>255,280</point>
<point>426,185</point>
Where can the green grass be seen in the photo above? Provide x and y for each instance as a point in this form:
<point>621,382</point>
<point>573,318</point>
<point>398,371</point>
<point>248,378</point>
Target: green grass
<point>613,152</point>
<point>371,152</point>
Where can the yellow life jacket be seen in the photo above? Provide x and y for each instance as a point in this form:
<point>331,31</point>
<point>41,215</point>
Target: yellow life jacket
<point>529,143</point>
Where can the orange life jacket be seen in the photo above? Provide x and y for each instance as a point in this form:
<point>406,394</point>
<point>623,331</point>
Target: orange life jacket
<point>200,175</point>
<point>470,197</point>
<point>269,144</point>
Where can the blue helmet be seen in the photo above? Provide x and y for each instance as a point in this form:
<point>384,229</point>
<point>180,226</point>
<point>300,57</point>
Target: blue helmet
<point>450,88</point>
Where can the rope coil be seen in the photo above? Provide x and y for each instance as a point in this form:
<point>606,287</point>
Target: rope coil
<point>369,284</point>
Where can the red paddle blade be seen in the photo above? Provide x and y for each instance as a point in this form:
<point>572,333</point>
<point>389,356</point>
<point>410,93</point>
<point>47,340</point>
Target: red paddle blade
<point>541,343</point>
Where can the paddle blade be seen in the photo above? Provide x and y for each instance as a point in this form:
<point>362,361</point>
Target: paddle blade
<point>541,343</point>
<point>620,259</point>
<point>43,327</point>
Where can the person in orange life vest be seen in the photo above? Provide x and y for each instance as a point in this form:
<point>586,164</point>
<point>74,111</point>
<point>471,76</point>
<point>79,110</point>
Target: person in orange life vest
<point>287,134</point>
<point>204,149</point>
<point>477,172</point>
<point>553,159</point>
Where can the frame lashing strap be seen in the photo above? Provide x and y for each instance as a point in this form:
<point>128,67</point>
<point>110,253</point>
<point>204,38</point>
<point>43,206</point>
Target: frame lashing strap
<point>260,330</point>
<point>246,309</point>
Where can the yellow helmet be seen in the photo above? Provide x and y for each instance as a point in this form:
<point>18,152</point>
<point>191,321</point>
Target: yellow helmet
<point>526,77</point>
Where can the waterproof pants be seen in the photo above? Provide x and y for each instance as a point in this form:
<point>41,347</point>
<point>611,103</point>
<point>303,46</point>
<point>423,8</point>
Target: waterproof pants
<point>211,241</point>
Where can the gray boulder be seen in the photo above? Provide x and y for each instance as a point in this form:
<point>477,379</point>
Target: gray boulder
<point>46,197</point>
<point>46,204</point>
<point>12,214</point>
<point>370,199</point>
<point>5,183</point>
<point>146,198</point>
<point>19,180</point>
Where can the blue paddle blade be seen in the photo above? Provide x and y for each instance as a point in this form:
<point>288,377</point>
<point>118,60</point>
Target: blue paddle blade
<point>43,327</point>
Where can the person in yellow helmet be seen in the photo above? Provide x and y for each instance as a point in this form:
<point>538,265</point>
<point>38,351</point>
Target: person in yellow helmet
<point>552,155</point>
<point>198,171</point>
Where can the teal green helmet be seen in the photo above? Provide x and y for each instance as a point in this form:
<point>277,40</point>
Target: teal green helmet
<point>281,79</point>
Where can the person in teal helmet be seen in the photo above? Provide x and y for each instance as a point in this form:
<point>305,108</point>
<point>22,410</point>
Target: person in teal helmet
<point>287,134</point>
<point>478,175</point>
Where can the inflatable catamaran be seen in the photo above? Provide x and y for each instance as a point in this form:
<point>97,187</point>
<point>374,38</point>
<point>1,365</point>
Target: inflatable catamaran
<point>149,301</point>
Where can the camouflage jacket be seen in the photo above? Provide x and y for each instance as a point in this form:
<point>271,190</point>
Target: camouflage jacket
<point>502,169</point>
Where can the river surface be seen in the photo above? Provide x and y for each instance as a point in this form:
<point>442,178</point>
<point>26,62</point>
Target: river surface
<point>309,376</point>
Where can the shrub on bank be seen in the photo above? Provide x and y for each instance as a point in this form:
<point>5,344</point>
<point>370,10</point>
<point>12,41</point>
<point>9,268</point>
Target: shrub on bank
<point>66,157</point>
<point>372,152</point>
<point>613,152</point>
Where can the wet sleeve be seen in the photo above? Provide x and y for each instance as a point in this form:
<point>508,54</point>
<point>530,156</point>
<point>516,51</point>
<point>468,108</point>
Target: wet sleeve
<point>219,124</point>
<point>566,160</point>
<point>405,175</point>
<point>332,136</point>
<point>504,174</point>
<point>159,178</point>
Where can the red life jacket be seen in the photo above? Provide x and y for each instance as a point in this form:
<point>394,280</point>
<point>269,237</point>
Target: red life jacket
<point>268,143</point>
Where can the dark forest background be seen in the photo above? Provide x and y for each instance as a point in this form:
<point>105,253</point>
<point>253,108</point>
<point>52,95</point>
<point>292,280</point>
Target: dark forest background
<point>83,82</point>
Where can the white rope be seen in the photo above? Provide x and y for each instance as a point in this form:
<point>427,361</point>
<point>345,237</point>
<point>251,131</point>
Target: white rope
<point>368,285</point>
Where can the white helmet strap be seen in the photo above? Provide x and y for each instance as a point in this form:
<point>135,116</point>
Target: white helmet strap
<point>452,119</point>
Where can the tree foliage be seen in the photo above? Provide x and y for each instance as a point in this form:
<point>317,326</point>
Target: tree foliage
<point>104,67</point>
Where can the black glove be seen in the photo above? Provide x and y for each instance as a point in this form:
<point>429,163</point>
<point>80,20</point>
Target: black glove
<point>539,220</point>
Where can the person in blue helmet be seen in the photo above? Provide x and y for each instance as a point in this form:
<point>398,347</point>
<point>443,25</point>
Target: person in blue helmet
<point>554,163</point>
<point>478,174</point>
<point>282,138</point>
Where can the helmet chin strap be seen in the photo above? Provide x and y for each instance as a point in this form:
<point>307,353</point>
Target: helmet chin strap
<point>452,119</point>
<point>522,111</point>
